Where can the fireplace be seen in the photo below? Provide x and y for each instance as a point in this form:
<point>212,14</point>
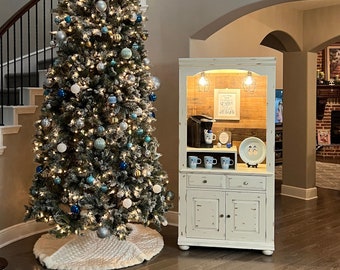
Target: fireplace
<point>335,127</point>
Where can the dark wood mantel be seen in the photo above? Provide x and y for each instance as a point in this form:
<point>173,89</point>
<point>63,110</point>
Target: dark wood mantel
<point>323,92</point>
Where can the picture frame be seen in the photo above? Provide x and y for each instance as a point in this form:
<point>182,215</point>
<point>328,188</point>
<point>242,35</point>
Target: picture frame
<point>324,137</point>
<point>332,62</point>
<point>227,104</point>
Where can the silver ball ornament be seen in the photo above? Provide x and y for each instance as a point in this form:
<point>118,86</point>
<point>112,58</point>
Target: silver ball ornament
<point>101,5</point>
<point>126,53</point>
<point>155,83</point>
<point>100,66</point>
<point>80,123</point>
<point>99,144</point>
<point>103,232</point>
<point>45,122</point>
<point>60,36</point>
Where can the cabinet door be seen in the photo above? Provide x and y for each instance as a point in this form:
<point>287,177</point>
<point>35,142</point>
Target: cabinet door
<point>245,216</point>
<point>206,214</point>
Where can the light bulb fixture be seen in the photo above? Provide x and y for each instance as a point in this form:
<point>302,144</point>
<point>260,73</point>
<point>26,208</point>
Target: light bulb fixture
<point>203,82</point>
<point>249,83</point>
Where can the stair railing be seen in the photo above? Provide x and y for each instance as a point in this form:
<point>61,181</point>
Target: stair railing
<point>24,50</point>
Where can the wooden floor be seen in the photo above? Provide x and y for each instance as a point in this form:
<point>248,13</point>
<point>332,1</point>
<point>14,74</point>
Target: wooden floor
<point>307,236</point>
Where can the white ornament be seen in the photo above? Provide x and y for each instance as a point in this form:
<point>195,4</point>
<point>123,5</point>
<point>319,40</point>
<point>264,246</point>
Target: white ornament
<point>165,223</point>
<point>157,189</point>
<point>75,89</point>
<point>61,147</point>
<point>127,203</point>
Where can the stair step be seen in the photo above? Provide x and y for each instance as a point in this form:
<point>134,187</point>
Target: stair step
<point>11,113</point>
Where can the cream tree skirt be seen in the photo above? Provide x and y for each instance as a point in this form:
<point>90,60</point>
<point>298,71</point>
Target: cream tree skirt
<point>90,252</point>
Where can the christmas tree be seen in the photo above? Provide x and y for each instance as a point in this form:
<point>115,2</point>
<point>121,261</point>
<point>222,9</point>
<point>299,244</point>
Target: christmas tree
<point>98,165</point>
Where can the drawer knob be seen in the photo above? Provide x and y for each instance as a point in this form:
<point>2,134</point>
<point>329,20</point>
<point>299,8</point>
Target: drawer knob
<point>228,216</point>
<point>221,216</point>
<point>245,183</point>
<point>205,181</point>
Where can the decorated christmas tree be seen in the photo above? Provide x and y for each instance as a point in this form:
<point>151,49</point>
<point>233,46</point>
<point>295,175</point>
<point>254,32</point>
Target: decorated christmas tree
<point>98,166</point>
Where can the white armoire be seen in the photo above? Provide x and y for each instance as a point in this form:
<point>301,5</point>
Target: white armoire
<point>229,208</point>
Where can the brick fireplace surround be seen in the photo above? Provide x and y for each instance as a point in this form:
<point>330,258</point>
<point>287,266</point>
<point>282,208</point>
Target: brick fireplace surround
<point>328,152</point>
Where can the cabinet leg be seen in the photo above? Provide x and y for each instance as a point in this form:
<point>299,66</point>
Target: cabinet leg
<point>181,247</point>
<point>268,252</point>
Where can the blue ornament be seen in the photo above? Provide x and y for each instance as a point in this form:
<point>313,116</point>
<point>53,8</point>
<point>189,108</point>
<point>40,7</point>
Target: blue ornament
<point>152,114</point>
<point>105,30</point>
<point>133,116</point>
<point>75,209</point>
<point>57,20</point>
<point>112,99</point>
<point>135,46</point>
<point>129,145</point>
<point>90,179</point>
<point>147,139</point>
<point>139,18</point>
<point>61,93</point>
<point>100,130</point>
<point>152,97</point>
<point>126,53</point>
<point>103,188</point>
<point>68,19</point>
<point>39,169</point>
<point>113,62</point>
<point>123,165</point>
<point>140,131</point>
<point>99,144</point>
<point>57,180</point>
<point>47,92</point>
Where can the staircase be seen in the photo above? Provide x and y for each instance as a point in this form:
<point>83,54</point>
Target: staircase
<point>24,57</point>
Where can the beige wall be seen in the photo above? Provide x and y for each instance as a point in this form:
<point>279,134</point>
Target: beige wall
<point>172,26</point>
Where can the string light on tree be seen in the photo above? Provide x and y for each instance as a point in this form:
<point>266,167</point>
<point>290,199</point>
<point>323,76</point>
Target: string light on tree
<point>98,165</point>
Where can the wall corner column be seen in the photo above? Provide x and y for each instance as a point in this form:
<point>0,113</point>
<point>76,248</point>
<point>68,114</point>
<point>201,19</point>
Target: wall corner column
<point>299,141</point>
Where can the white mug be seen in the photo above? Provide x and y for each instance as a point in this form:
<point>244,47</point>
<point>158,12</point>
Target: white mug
<point>209,137</point>
<point>193,161</point>
<point>226,162</point>
<point>209,161</point>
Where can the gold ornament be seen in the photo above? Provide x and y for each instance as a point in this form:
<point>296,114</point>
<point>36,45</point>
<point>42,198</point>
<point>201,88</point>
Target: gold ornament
<point>138,173</point>
<point>88,44</point>
<point>117,37</point>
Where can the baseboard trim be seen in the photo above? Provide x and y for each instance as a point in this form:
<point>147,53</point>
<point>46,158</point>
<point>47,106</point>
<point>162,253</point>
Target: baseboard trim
<point>299,193</point>
<point>29,228</point>
<point>21,231</point>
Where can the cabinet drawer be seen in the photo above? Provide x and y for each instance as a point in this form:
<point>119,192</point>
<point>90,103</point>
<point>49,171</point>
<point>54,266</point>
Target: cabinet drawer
<point>247,182</point>
<point>204,180</point>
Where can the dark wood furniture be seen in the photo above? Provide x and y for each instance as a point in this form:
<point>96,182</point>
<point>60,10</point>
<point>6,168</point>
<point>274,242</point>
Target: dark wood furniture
<point>324,92</point>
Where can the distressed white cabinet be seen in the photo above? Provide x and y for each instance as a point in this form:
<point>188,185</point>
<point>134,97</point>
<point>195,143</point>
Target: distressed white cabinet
<point>231,208</point>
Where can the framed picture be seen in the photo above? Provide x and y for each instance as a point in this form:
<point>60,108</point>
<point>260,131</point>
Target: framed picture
<point>324,137</point>
<point>332,62</point>
<point>227,104</point>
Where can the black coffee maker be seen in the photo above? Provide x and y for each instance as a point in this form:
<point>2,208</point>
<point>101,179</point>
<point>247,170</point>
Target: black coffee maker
<point>196,126</point>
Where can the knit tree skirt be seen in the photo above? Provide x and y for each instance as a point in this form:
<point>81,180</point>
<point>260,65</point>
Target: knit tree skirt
<point>89,252</point>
